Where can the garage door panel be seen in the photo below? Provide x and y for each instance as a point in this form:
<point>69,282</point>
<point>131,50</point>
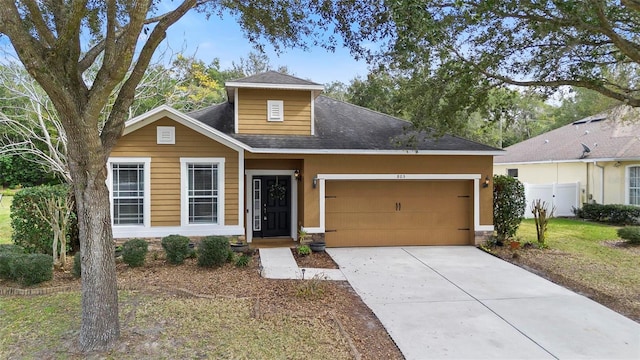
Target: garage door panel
<point>406,237</point>
<point>378,213</point>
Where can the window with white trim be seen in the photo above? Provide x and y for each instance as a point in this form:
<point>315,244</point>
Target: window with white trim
<point>203,191</point>
<point>275,110</point>
<point>633,185</point>
<point>128,186</point>
<point>512,173</point>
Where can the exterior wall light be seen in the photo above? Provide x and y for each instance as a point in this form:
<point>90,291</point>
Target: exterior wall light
<point>296,175</point>
<point>486,182</point>
<point>315,182</point>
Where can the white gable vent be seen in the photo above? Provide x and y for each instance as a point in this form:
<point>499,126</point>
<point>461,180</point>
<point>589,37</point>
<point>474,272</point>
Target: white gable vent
<point>275,110</point>
<point>166,135</point>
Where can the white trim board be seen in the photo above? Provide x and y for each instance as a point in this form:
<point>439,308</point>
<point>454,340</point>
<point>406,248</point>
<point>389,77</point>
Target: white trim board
<point>162,231</point>
<point>322,178</point>
<point>146,211</point>
<point>249,196</point>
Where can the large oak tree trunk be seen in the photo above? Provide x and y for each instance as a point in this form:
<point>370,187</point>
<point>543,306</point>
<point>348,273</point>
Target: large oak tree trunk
<point>100,323</point>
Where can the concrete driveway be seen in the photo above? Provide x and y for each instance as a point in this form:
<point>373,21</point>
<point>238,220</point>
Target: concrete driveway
<point>461,303</point>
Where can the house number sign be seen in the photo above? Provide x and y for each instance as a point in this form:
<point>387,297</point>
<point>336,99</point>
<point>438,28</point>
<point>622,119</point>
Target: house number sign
<point>401,176</point>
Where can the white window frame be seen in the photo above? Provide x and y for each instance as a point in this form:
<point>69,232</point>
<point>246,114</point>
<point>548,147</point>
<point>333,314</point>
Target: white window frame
<point>627,184</point>
<point>146,211</point>
<point>184,186</point>
<point>272,104</point>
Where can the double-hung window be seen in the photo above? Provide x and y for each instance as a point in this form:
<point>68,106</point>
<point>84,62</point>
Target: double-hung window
<point>633,185</point>
<point>128,180</point>
<point>202,190</point>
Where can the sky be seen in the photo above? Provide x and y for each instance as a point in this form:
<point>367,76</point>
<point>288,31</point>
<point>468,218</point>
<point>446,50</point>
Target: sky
<point>224,39</point>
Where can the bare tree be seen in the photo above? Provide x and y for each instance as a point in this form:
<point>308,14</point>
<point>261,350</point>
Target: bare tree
<point>56,211</point>
<point>31,124</point>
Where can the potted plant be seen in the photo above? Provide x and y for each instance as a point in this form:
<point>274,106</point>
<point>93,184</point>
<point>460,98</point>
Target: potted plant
<point>239,245</point>
<point>317,246</point>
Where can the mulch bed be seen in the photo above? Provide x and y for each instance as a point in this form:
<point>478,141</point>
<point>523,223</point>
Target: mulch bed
<point>338,300</point>
<point>320,260</point>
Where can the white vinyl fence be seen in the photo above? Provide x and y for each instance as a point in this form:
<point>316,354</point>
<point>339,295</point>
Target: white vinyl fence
<point>563,196</point>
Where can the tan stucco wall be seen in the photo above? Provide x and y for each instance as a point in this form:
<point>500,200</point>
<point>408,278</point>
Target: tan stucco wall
<point>252,112</point>
<point>312,165</point>
<point>165,168</point>
<point>589,174</point>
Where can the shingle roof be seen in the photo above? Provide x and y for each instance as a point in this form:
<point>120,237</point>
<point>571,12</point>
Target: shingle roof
<point>273,77</point>
<point>611,135</point>
<point>341,126</point>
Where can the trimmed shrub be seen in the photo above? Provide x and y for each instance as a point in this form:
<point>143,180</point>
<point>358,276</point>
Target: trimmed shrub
<point>304,250</point>
<point>612,213</point>
<point>76,270</point>
<point>11,249</point>
<point>7,252</point>
<point>31,269</point>
<point>213,251</point>
<point>630,233</point>
<point>176,247</point>
<point>508,206</point>
<point>134,252</point>
<point>243,260</point>
<point>29,230</point>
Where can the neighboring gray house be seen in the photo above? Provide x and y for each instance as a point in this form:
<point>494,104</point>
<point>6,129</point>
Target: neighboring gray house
<point>596,159</point>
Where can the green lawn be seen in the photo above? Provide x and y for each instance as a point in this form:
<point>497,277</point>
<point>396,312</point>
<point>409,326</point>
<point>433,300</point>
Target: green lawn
<point>5,220</point>
<point>578,252</point>
<point>163,326</point>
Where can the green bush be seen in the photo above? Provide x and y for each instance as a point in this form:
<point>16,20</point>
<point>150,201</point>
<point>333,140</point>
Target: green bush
<point>612,213</point>
<point>243,260</point>
<point>11,249</point>
<point>31,269</point>
<point>213,251</point>
<point>29,230</point>
<point>20,170</point>
<point>176,247</point>
<point>304,250</point>
<point>76,270</point>
<point>630,233</point>
<point>7,252</point>
<point>508,206</point>
<point>134,252</point>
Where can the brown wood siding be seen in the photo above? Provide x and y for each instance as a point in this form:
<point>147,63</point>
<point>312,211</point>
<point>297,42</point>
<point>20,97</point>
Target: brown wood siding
<point>252,112</point>
<point>165,168</point>
<point>308,213</point>
<point>393,164</point>
<point>395,213</point>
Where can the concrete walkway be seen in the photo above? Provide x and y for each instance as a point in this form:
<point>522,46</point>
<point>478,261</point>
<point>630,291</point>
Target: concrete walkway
<point>461,303</point>
<point>278,263</point>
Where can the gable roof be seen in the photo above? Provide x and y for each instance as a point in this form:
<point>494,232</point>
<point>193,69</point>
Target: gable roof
<point>271,80</point>
<point>613,135</point>
<point>341,127</point>
<point>274,77</point>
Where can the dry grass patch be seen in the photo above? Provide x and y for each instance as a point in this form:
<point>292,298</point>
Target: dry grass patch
<point>164,326</point>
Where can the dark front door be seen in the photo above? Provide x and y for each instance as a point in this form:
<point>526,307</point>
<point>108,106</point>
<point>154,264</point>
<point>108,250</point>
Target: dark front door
<point>276,206</point>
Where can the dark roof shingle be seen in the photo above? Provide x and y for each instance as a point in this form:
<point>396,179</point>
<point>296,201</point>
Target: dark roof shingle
<point>341,126</point>
<point>273,77</point>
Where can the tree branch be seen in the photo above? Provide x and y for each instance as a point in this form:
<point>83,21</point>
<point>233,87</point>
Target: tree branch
<point>41,27</point>
<point>115,123</point>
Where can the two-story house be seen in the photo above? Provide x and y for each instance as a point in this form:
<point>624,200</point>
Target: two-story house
<point>278,156</point>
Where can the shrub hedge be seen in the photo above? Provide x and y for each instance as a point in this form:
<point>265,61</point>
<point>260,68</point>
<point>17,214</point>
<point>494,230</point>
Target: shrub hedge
<point>76,270</point>
<point>29,230</point>
<point>27,269</point>
<point>213,251</point>
<point>176,247</point>
<point>6,254</point>
<point>612,214</point>
<point>134,252</point>
<point>630,233</point>
<point>508,205</point>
